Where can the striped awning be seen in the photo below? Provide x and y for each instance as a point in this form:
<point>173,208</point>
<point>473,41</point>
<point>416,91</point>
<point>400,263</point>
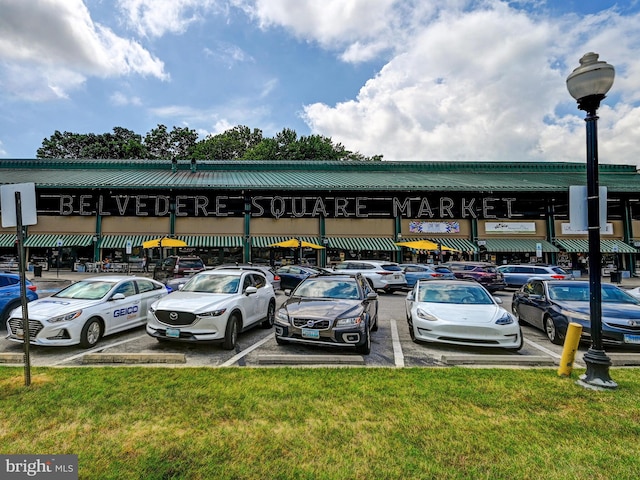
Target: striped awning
<point>460,244</point>
<point>581,245</point>
<point>200,241</point>
<point>517,245</point>
<point>51,240</point>
<point>264,242</point>
<point>7,239</point>
<point>363,243</point>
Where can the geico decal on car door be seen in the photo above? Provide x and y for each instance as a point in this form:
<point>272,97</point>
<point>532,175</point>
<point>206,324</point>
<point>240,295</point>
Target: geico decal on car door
<point>126,312</point>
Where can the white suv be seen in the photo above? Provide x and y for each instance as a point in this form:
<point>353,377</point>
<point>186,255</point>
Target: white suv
<point>381,275</point>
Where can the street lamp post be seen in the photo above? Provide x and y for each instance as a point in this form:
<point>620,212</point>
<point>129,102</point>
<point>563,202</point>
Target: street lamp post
<point>589,84</point>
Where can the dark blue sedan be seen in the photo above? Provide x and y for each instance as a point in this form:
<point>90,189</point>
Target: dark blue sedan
<point>292,275</point>
<point>551,305</point>
<point>10,294</point>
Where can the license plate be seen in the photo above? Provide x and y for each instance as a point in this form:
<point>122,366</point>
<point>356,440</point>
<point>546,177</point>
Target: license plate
<point>632,339</point>
<point>310,333</point>
<point>19,333</point>
<point>396,277</point>
<point>173,333</point>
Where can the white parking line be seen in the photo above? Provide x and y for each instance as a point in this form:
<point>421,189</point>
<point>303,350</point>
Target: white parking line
<point>97,349</point>
<point>246,351</point>
<point>398,356</point>
<point>551,353</point>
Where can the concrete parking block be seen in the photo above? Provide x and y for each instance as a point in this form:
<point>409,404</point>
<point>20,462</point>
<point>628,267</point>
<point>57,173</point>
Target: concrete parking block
<point>11,357</point>
<point>134,358</point>
<point>311,360</point>
<point>503,360</point>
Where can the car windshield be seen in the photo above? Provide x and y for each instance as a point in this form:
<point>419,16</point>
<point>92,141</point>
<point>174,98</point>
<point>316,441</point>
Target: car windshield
<point>324,288</point>
<point>443,293</point>
<point>212,284</point>
<point>85,290</point>
<point>580,293</point>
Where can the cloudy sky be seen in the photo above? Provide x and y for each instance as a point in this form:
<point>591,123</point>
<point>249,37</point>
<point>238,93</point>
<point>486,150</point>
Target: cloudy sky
<point>407,79</point>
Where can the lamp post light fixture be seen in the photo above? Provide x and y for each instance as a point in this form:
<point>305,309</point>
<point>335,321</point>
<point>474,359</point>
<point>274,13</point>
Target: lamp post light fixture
<point>589,84</point>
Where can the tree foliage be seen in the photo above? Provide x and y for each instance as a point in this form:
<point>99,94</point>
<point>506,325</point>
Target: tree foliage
<point>237,143</point>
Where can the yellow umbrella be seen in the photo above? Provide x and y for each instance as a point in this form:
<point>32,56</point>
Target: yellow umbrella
<point>164,242</point>
<point>295,243</point>
<point>425,245</point>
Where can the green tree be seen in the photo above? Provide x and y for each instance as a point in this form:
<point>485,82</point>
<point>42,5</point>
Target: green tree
<point>179,143</point>
<point>229,145</point>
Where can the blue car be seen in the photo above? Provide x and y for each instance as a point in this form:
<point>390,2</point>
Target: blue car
<point>415,271</point>
<point>10,295</point>
<point>551,305</point>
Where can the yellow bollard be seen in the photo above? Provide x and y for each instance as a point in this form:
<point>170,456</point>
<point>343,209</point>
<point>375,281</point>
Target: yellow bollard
<point>571,341</point>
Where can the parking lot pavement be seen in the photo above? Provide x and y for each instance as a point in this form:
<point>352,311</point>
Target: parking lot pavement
<point>391,345</point>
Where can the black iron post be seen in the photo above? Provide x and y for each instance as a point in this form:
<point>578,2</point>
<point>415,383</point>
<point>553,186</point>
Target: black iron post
<point>597,361</point>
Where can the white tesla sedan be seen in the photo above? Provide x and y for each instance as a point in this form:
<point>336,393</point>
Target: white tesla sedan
<point>87,310</point>
<point>214,306</point>
<point>460,312</point>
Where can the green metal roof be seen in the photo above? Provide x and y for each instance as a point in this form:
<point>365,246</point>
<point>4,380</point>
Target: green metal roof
<point>316,175</point>
<point>518,245</point>
<point>606,246</point>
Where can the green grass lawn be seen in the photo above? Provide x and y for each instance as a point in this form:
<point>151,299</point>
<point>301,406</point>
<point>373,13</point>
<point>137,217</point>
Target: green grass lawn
<point>324,423</point>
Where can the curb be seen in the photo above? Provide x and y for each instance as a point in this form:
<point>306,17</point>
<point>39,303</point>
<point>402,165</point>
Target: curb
<point>11,357</point>
<point>311,360</point>
<point>515,360</point>
<point>134,358</point>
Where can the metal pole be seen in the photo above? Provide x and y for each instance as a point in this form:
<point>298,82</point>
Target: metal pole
<point>23,293</point>
<point>597,361</point>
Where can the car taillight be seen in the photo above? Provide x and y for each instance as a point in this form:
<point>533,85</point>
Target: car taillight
<point>384,272</point>
<point>276,277</point>
<point>436,275</point>
<point>557,277</point>
<point>33,288</point>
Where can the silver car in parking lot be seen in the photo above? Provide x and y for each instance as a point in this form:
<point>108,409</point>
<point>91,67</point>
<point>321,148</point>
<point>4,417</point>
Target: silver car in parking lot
<point>516,276</point>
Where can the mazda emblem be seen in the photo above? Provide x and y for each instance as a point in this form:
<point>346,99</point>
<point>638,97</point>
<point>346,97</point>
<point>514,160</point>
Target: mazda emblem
<point>173,316</point>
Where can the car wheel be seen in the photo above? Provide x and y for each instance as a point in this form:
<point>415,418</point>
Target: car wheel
<point>271,315</point>
<point>91,333</point>
<point>519,347</point>
<point>231,333</point>
<point>412,333</point>
<point>365,348</point>
<point>551,330</point>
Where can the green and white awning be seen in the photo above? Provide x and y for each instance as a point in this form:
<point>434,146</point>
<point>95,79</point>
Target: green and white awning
<point>581,245</point>
<point>460,244</point>
<point>363,243</point>
<point>517,245</point>
<point>36,240</point>
<point>264,242</point>
<point>198,241</point>
<point>7,240</point>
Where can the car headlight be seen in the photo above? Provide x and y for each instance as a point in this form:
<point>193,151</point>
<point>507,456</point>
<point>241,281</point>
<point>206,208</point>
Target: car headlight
<point>212,313</point>
<point>283,315</point>
<point>577,315</point>
<point>505,319</point>
<point>348,321</point>
<point>424,315</point>
<point>67,317</point>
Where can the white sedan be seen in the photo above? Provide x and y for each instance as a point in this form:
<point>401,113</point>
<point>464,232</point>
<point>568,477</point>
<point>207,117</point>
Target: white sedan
<point>461,313</point>
<point>214,306</point>
<point>87,310</point>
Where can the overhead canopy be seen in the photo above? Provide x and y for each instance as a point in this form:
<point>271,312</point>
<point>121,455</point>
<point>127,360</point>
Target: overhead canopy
<point>425,245</point>
<point>8,239</point>
<point>164,242</point>
<point>517,245</point>
<point>606,246</point>
<point>266,242</point>
<point>459,244</point>
<point>296,243</point>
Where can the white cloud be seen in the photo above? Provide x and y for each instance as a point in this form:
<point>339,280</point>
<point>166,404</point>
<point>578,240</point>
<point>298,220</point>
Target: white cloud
<point>155,18</point>
<point>120,99</point>
<point>57,41</point>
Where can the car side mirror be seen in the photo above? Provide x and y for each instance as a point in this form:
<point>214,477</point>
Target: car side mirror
<point>372,296</point>
<point>287,292</point>
<point>118,296</point>
<point>410,296</point>
<point>498,300</point>
<point>250,291</point>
